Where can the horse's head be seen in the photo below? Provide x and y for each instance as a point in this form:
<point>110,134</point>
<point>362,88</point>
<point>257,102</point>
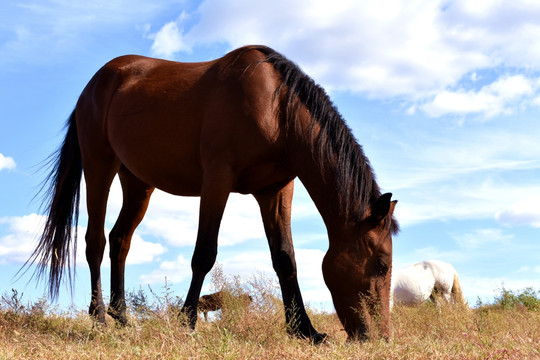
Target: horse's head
<point>357,271</point>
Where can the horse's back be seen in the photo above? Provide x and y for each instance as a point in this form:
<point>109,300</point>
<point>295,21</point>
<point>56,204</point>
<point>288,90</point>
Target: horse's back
<point>167,121</point>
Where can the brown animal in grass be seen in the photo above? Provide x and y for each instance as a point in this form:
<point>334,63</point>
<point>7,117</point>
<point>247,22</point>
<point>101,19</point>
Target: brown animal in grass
<point>215,301</point>
<point>250,122</point>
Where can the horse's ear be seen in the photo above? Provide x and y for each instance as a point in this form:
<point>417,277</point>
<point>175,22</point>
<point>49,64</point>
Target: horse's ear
<point>383,207</point>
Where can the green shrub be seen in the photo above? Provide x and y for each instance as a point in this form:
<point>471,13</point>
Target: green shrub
<point>527,298</point>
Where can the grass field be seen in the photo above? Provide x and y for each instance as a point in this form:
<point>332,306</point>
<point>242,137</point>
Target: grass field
<point>507,329</point>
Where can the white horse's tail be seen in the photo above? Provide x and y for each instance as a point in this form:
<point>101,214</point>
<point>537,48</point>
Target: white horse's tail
<point>457,293</point>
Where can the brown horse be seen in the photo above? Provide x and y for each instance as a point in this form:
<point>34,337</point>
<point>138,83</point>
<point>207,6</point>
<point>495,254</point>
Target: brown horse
<point>215,301</point>
<point>249,122</point>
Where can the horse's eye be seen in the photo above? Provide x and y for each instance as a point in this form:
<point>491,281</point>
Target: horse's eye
<point>382,268</point>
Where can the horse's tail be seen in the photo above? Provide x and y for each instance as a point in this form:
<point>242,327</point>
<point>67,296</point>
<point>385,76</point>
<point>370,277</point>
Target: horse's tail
<point>457,293</point>
<point>62,195</point>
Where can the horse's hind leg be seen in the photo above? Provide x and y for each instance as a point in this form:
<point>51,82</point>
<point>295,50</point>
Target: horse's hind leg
<point>276,213</point>
<point>98,181</point>
<point>136,195</point>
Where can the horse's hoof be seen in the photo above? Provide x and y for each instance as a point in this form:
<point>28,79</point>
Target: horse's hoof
<point>98,318</point>
<point>315,337</point>
<point>362,338</point>
<point>121,321</point>
<point>318,338</point>
<point>119,318</point>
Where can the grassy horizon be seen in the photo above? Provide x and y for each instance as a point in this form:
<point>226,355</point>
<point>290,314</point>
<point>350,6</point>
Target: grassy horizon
<point>505,329</point>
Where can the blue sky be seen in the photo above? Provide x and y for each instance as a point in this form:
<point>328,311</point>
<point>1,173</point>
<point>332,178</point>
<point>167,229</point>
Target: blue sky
<point>444,96</point>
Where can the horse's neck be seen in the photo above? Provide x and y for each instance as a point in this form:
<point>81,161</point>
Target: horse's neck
<point>323,193</point>
<point>321,184</point>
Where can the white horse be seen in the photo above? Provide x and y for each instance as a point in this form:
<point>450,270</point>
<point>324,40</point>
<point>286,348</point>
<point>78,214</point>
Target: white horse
<point>417,283</point>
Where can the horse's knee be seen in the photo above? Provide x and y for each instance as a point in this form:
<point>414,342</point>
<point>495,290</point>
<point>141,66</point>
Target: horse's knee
<point>284,265</point>
<point>95,246</point>
<point>119,245</point>
<point>203,260</point>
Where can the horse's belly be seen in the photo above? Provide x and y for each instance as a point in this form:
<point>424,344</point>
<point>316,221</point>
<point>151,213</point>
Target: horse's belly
<point>170,165</point>
<point>173,180</point>
<point>176,175</point>
<point>406,296</point>
<point>255,178</point>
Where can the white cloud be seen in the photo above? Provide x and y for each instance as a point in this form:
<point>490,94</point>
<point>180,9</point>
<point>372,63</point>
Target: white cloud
<point>142,252</point>
<point>524,212</point>
<point>176,230</point>
<point>503,96</point>
<point>467,199</point>
<point>536,101</point>
<point>20,240</point>
<point>418,254</point>
<point>461,173</point>
<point>241,221</point>
<point>245,264</point>
<point>412,48</point>
<point>175,219</point>
<point>168,41</point>
<point>309,263</point>
<point>175,271</point>
<point>482,237</point>
<point>349,45</point>
<point>7,162</point>
<point>18,244</point>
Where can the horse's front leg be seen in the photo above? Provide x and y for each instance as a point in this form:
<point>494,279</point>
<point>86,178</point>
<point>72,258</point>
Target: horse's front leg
<point>276,213</point>
<point>215,191</point>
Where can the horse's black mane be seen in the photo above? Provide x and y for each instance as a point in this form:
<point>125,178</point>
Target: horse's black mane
<point>335,148</point>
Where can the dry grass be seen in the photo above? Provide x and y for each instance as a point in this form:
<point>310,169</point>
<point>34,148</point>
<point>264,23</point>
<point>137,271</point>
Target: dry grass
<point>258,332</point>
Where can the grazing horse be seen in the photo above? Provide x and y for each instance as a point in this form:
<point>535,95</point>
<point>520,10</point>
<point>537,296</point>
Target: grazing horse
<point>427,280</point>
<point>215,301</point>
<point>249,122</point>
